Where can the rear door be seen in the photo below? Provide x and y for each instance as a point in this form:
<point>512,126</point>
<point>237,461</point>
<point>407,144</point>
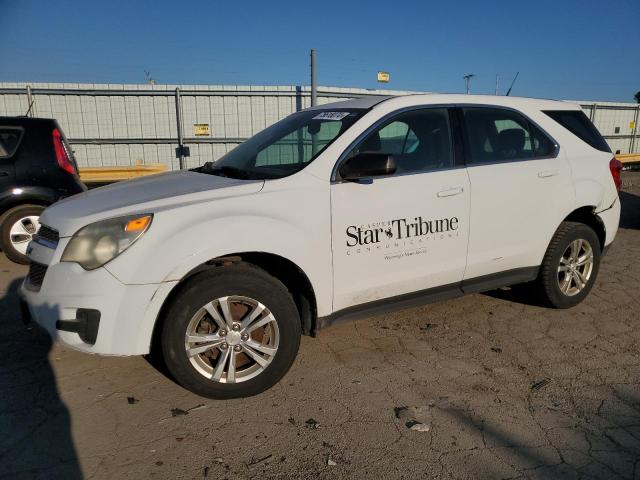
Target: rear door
<point>520,187</point>
<point>405,232</point>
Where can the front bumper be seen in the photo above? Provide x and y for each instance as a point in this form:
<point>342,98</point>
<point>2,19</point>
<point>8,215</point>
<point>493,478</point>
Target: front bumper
<point>127,313</point>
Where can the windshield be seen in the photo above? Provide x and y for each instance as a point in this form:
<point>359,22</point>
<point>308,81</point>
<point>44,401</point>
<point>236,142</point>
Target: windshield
<point>285,147</point>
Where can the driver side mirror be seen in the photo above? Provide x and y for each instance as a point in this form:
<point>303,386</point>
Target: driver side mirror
<point>367,164</point>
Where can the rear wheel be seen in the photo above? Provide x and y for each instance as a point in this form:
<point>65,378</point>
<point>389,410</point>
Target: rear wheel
<point>231,332</point>
<point>17,228</point>
<point>570,266</point>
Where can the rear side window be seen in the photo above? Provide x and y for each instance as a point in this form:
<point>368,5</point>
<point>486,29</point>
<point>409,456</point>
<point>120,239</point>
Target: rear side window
<point>9,141</point>
<point>579,124</point>
<point>499,135</point>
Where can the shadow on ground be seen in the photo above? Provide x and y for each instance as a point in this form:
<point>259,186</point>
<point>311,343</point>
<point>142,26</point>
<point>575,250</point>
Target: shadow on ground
<point>36,439</point>
<point>629,217</point>
<point>521,294</point>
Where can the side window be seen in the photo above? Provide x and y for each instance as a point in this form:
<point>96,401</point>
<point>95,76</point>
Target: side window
<point>579,124</point>
<point>419,140</point>
<point>9,141</point>
<point>496,135</point>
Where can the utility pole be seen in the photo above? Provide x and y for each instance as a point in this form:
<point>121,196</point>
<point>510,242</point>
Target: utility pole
<point>467,81</point>
<point>497,81</point>
<point>314,79</point>
<point>181,151</point>
<point>314,98</point>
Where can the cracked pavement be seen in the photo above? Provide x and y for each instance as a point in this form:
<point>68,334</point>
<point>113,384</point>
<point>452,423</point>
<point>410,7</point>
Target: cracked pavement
<point>507,389</point>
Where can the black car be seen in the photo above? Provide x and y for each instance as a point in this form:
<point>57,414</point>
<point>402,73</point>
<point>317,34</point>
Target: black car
<point>37,168</point>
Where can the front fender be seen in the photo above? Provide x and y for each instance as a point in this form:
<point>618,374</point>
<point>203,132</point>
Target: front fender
<point>275,237</point>
<point>171,251</point>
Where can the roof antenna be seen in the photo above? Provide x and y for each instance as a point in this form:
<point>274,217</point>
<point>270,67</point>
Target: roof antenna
<point>511,86</point>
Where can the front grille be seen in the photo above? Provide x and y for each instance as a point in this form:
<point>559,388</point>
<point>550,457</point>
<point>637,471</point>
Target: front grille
<point>37,271</point>
<point>49,236</point>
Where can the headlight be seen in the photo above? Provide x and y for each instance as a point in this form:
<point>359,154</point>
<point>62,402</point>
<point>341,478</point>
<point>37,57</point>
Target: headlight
<point>96,244</point>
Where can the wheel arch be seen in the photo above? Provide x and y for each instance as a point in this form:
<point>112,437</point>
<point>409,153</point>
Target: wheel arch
<point>285,270</point>
<point>9,204</point>
<point>18,196</point>
<point>586,215</point>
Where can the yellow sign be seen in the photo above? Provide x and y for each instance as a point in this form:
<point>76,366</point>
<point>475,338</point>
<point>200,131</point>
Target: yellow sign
<point>201,129</point>
<point>384,77</point>
<point>632,125</point>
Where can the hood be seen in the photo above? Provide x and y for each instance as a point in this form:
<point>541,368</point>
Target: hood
<point>146,195</point>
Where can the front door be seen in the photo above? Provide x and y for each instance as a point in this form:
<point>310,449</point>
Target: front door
<point>404,232</point>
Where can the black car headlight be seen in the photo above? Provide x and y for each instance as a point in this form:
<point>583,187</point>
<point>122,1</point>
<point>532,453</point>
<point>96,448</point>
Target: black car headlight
<point>98,243</point>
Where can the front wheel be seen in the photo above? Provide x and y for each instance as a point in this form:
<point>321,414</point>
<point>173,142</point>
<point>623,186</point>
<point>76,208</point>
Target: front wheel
<point>17,228</point>
<point>231,332</point>
<point>570,265</point>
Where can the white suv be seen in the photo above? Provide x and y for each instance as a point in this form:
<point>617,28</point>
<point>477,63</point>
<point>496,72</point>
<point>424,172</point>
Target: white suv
<point>335,211</point>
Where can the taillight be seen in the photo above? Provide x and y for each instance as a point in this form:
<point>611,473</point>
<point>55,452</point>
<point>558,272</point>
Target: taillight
<point>62,155</point>
<point>615,166</point>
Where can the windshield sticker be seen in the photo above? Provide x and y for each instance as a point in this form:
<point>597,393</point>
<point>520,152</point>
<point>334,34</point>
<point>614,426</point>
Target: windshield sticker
<point>331,116</point>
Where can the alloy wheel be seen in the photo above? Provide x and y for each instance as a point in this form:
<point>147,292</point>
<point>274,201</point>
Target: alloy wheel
<point>575,268</point>
<point>22,232</point>
<point>232,339</point>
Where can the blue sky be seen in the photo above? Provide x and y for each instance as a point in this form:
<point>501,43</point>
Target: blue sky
<point>570,49</point>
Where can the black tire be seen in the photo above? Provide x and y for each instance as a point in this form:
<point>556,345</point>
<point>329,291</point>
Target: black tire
<point>243,280</point>
<point>548,281</point>
<point>7,220</point>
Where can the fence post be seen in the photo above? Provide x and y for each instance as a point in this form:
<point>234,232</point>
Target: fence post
<point>180,149</point>
<point>592,113</point>
<point>300,137</point>
<point>634,132</point>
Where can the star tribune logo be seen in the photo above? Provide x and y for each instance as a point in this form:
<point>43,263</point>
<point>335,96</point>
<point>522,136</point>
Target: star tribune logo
<point>399,229</point>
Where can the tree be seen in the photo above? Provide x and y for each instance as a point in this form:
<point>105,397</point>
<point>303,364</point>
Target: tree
<point>637,96</point>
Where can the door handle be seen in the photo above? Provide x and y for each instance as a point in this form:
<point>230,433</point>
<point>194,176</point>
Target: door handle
<point>548,173</point>
<point>450,192</point>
